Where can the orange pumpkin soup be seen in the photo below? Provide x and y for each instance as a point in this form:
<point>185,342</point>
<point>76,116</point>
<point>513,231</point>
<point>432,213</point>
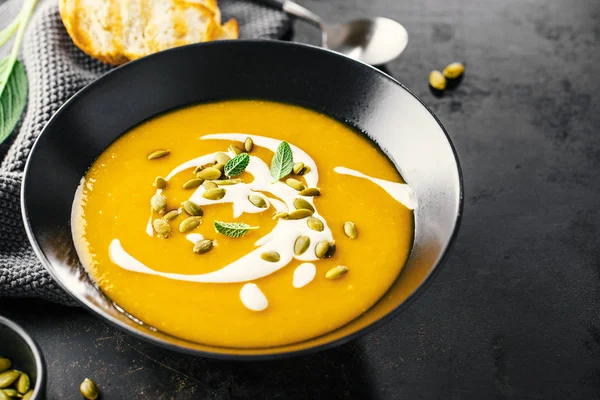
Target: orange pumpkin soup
<point>243,223</point>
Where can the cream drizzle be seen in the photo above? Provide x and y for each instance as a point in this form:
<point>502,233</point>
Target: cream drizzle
<point>253,298</point>
<point>304,274</point>
<point>401,192</point>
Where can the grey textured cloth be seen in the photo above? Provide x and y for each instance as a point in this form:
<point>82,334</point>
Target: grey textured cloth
<point>56,70</point>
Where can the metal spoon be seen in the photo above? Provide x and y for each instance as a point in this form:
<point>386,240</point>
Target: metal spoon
<point>374,41</point>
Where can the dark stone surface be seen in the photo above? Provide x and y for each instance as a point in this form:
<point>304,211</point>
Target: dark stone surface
<point>515,312</point>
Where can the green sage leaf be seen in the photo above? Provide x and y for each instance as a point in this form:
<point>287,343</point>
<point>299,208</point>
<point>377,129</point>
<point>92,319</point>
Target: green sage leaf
<point>13,97</point>
<point>237,165</point>
<point>233,229</point>
<point>283,162</point>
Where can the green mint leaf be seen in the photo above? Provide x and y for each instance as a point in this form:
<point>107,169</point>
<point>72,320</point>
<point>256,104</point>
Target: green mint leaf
<point>283,162</point>
<point>233,229</point>
<point>237,165</point>
<point>13,98</point>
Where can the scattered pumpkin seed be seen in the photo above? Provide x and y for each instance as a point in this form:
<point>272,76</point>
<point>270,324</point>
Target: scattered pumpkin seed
<point>23,383</point>
<point>270,256</point>
<point>160,182</point>
<point>300,213</point>
<point>222,158</point>
<point>158,154</point>
<point>220,167</point>
<point>301,245</point>
<point>209,174</point>
<point>279,215</point>
<point>88,389</point>
<point>303,204</point>
<point>28,395</point>
<point>226,182</point>
<point>310,192</point>
<point>209,185</point>
<point>305,170</point>
<point>315,224</point>
<point>5,364</point>
<point>248,144</point>
<point>193,183</point>
<point>350,229</point>
<point>336,272</point>
<point>295,184</point>
<point>171,215</point>
<point>203,246</point>
<point>298,167</point>
<point>189,224</point>
<point>10,392</point>
<point>4,395</point>
<point>235,150</point>
<point>192,209</point>
<point>437,80</point>
<point>257,201</point>
<point>214,194</point>
<point>162,228</point>
<point>8,377</point>
<point>159,203</point>
<point>325,249</point>
<point>454,70</point>
<point>198,169</point>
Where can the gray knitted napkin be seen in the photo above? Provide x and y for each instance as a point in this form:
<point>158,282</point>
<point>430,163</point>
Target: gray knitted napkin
<point>56,70</point>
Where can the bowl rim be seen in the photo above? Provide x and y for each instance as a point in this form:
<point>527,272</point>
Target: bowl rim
<point>247,357</point>
<point>40,364</point>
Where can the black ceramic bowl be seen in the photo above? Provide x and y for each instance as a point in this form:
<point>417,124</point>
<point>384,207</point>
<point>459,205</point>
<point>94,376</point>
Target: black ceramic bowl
<point>25,355</point>
<point>311,77</point>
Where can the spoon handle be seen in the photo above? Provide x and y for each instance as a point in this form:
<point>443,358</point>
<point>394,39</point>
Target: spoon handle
<point>296,10</point>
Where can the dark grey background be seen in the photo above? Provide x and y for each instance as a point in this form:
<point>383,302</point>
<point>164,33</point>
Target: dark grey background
<point>515,312</point>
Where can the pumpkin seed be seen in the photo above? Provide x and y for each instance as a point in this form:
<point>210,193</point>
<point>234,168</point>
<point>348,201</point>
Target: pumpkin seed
<point>198,169</point>
<point>295,184</point>
<point>310,192</point>
<point>270,256</point>
<point>222,158</point>
<point>279,215</point>
<point>88,389</point>
<point>159,203</point>
<point>158,154</point>
<point>437,80</point>
<point>209,174</point>
<point>203,246</point>
<point>192,209</point>
<point>193,183</point>
<point>171,215</point>
<point>209,185</point>
<point>305,170</point>
<point>23,384</point>
<point>248,144</point>
<point>4,395</point>
<point>220,167</point>
<point>298,167</point>
<point>8,377</point>
<point>10,393</point>
<point>325,249</point>
<point>336,272</point>
<point>160,182</point>
<point>350,229</point>
<point>454,70</point>
<point>303,204</point>
<point>189,224</point>
<point>28,395</point>
<point>301,245</point>
<point>214,194</point>
<point>225,182</point>
<point>235,150</point>
<point>162,228</point>
<point>300,213</point>
<point>5,364</point>
<point>315,224</point>
<point>257,201</point>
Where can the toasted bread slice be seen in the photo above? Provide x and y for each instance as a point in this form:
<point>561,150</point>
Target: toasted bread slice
<point>117,31</point>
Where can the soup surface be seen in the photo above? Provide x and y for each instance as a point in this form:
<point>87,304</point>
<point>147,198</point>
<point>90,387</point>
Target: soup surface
<point>266,287</point>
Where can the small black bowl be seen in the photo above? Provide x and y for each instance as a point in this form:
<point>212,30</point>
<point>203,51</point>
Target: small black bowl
<point>355,93</point>
<point>25,355</point>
